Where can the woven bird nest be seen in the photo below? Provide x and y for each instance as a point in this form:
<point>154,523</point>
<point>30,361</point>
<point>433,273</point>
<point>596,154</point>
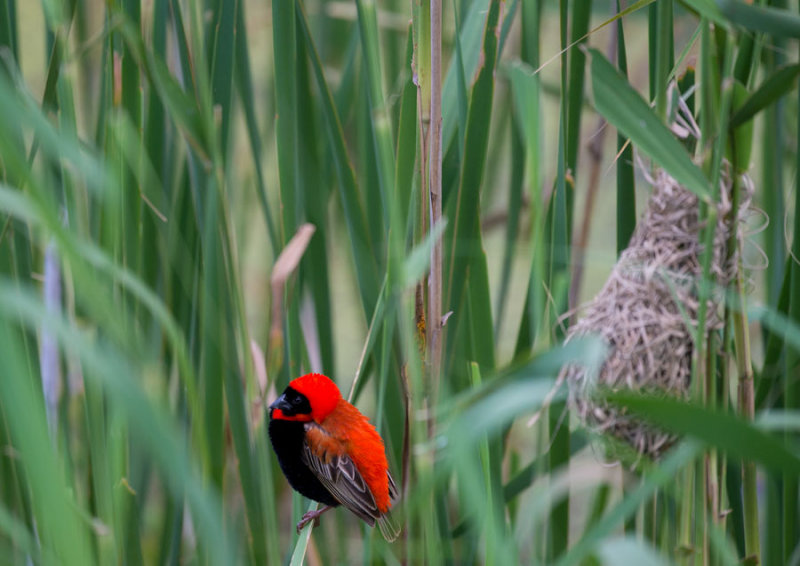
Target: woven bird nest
<point>643,310</point>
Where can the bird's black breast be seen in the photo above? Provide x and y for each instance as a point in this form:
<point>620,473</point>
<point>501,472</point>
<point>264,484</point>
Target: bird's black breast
<point>287,439</point>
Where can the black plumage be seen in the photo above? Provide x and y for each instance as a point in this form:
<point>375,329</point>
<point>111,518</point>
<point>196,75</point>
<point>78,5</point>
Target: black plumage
<point>288,440</point>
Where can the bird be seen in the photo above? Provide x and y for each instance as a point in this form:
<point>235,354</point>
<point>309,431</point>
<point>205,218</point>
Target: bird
<point>330,453</point>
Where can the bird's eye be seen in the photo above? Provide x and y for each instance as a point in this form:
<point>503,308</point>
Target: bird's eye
<point>297,401</point>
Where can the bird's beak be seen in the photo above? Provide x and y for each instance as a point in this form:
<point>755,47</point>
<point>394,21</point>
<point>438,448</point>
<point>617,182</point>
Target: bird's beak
<point>281,403</point>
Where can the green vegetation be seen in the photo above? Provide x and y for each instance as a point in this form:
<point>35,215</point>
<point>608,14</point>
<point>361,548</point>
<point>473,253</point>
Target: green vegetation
<point>157,157</point>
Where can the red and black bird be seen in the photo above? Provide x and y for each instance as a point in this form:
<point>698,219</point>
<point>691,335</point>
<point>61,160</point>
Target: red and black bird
<point>331,453</point>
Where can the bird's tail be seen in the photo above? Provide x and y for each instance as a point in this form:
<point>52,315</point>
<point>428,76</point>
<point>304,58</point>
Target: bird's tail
<point>389,527</point>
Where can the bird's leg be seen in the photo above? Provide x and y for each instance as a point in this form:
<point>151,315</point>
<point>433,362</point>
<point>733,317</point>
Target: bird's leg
<point>311,516</point>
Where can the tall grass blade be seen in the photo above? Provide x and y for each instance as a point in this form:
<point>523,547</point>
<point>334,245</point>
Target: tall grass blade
<point>316,201</point>
<point>791,486</point>
<point>380,123</point>
<point>285,55</point>
<point>626,187</point>
<point>366,269</point>
<point>724,431</point>
<point>221,61</point>
<point>626,110</point>
<point>662,476</point>
<point>774,21</point>
<point>107,367</point>
<point>769,91</point>
<point>59,528</point>
<point>579,28</point>
<point>471,42</point>
<point>516,186</point>
<point>8,26</point>
<point>244,86</point>
<point>465,236</point>
<point>406,139</point>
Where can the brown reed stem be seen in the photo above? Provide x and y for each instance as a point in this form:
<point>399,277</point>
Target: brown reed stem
<point>435,185</point>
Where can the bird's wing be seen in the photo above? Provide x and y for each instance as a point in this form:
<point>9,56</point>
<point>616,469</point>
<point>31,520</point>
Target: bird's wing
<point>338,473</point>
<point>394,494</point>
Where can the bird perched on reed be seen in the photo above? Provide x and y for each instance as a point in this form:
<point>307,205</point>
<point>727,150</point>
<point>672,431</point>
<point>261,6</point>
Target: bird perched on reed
<point>331,453</point>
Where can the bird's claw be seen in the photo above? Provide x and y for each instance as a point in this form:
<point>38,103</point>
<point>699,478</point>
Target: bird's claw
<point>309,517</point>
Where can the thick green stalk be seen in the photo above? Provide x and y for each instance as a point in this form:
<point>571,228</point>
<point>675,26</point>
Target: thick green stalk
<point>685,539</point>
<point>709,213</point>
<point>244,86</point>
<point>101,480</point>
<point>59,527</point>
<point>747,410</point>
<point>8,26</point>
<point>132,103</point>
<point>663,56</point>
<point>435,281</point>
<point>221,66</point>
<point>722,392</point>
<point>626,187</point>
<point>711,478</point>
<point>368,172</point>
<point>579,28</point>
<point>366,271</point>
<point>212,363</point>
<point>533,312</point>
<point>406,187</point>
<point>746,407</point>
<point>704,363</point>
<point>558,283</point>
<point>464,224</point>
<point>315,263</point>
<point>285,54</point>
<point>422,60</point>
<point>772,171</point>
<point>791,488</point>
<point>381,124</point>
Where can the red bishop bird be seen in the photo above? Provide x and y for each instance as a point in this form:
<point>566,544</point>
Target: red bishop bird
<point>331,453</point>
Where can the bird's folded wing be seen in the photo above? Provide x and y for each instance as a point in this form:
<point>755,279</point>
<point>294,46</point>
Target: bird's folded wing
<point>394,494</point>
<point>339,475</point>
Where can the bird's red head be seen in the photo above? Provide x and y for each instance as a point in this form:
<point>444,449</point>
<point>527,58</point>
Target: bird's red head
<point>310,397</point>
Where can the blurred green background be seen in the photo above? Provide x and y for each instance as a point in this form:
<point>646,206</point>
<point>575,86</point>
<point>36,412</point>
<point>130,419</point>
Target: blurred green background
<point>157,157</point>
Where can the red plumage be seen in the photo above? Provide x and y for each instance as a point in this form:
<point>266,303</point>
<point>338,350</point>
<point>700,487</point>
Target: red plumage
<point>330,452</point>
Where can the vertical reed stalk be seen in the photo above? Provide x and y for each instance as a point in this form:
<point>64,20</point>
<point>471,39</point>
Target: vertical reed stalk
<point>791,485</point>
<point>663,56</point>
<point>744,365</point>
<point>435,191</point>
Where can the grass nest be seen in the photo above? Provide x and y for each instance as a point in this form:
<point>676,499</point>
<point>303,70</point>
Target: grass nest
<point>647,310</point>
